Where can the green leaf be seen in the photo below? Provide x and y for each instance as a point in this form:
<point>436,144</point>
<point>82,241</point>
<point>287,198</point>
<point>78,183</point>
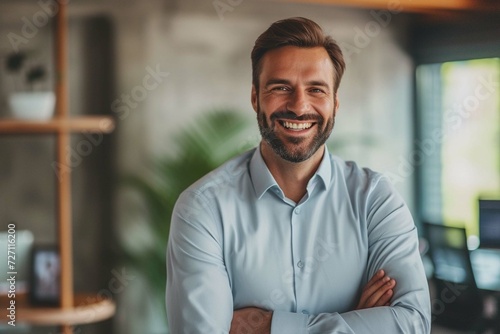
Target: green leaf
<point>15,61</point>
<point>200,147</point>
<point>35,74</point>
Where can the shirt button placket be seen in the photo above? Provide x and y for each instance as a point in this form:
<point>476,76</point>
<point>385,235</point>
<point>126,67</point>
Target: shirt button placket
<point>297,256</point>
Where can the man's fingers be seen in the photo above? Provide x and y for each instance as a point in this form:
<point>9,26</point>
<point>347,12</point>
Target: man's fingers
<point>377,292</point>
<point>372,287</point>
<point>385,299</point>
<point>378,275</point>
<point>382,295</point>
<point>377,280</point>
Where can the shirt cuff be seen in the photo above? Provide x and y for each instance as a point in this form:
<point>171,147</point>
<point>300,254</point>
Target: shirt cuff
<point>289,323</point>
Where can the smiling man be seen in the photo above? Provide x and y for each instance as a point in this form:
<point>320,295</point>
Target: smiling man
<point>288,238</point>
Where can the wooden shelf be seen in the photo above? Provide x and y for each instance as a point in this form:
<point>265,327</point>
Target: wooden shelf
<point>74,309</point>
<point>87,309</point>
<point>97,124</point>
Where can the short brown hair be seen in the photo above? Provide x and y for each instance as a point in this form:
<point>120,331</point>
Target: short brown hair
<point>300,32</point>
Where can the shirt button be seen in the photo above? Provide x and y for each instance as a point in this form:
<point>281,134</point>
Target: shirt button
<point>300,264</point>
<point>296,211</point>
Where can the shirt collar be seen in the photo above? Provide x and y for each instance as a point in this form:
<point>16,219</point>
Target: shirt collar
<point>324,171</point>
<point>263,180</point>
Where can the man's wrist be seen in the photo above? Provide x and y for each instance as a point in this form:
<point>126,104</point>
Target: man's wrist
<point>251,320</point>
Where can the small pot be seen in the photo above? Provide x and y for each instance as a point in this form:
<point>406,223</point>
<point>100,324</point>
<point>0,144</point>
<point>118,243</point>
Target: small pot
<point>32,105</point>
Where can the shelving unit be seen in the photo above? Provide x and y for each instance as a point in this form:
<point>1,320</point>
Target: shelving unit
<point>73,309</point>
<point>97,124</point>
<point>86,309</point>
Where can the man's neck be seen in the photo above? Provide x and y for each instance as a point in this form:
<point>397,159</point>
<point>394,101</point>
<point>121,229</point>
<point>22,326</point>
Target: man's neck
<point>291,177</point>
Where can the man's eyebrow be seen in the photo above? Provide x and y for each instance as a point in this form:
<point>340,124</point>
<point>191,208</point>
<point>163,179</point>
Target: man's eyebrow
<point>320,83</point>
<point>276,81</point>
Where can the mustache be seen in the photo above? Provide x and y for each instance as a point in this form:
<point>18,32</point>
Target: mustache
<point>292,116</point>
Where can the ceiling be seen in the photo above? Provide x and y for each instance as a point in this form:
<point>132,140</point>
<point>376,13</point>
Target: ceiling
<point>426,6</point>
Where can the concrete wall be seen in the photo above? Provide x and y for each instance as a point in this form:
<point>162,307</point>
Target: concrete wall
<point>209,66</point>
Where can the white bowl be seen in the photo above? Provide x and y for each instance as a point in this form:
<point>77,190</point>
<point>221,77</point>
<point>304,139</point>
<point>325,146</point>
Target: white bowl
<point>32,105</point>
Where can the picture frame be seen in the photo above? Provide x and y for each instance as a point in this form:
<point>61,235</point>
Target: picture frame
<point>45,278</point>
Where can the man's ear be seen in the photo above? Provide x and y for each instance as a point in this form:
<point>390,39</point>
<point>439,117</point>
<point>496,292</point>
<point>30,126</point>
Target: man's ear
<point>254,98</point>
<point>337,104</point>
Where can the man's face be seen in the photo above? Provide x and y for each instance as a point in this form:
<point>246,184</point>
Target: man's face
<point>295,104</point>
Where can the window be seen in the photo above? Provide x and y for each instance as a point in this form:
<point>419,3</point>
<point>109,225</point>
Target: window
<point>458,138</point>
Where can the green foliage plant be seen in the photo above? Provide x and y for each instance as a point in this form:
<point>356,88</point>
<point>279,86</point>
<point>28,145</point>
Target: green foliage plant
<point>201,147</point>
<point>18,63</point>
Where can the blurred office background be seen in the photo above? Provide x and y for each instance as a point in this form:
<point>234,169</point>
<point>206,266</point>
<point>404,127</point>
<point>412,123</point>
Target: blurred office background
<point>410,107</point>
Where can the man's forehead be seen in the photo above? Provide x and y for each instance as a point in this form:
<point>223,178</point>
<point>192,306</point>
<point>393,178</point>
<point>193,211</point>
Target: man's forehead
<point>291,61</point>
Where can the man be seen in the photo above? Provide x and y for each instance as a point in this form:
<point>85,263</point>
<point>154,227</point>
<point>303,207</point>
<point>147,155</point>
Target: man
<point>287,238</point>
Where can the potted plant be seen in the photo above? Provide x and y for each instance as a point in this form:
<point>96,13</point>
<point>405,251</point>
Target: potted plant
<point>29,101</point>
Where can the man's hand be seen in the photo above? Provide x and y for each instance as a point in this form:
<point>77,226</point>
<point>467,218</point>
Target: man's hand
<point>377,292</point>
<point>251,320</point>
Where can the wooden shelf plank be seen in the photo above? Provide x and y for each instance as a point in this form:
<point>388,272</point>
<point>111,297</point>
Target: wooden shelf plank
<point>97,124</point>
<point>87,309</point>
<point>412,6</point>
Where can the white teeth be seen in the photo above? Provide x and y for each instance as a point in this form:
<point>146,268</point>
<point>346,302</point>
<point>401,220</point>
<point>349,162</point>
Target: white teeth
<point>297,126</point>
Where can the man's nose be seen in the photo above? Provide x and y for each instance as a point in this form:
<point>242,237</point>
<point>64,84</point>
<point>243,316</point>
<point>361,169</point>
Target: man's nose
<point>298,103</point>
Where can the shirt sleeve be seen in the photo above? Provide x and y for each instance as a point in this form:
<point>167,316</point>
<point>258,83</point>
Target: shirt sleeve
<point>393,246</point>
<point>198,294</point>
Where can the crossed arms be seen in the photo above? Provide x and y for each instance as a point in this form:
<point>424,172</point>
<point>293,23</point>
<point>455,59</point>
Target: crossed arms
<point>252,320</point>
<point>218,283</point>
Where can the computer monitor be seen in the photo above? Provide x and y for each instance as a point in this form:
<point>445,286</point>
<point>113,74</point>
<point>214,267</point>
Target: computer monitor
<point>489,223</point>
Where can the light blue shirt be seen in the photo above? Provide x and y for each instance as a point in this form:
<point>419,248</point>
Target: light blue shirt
<point>236,241</point>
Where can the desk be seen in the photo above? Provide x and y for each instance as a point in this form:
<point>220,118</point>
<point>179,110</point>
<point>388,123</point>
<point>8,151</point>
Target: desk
<point>486,267</point>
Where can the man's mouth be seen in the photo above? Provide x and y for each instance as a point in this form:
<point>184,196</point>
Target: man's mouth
<point>296,126</point>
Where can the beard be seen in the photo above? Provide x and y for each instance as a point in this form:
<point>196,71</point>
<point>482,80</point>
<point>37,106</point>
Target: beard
<point>290,148</point>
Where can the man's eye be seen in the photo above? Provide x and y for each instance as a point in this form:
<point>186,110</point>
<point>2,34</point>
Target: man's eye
<point>316,90</point>
<point>281,88</point>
